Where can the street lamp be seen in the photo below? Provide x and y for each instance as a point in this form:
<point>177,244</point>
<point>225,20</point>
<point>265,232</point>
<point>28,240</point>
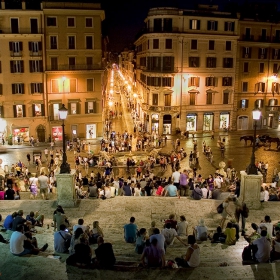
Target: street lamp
<point>252,168</point>
<point>65,167</point>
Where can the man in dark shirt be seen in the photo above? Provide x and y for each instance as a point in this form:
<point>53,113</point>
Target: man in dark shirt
<point>127,189</point>
<point>197,193</point>
<point>92,191</point>
<point>104,253</point>
<point>10,194</point>
<point>19,220</point>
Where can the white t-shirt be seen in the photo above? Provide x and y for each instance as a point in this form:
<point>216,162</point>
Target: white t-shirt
<point>176,176</point>
<point>269,228</point>
<point>169,234</point>
<point>16,242</point>
<point>263,252</point>
<point>83,227</point>
<point>204,192</point>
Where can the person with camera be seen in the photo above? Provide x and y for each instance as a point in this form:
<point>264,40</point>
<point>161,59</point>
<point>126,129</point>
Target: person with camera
<point>62,239</point>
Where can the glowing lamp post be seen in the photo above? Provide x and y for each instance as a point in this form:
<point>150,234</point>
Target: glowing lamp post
<point>252,168</point>
<point>65,167</point>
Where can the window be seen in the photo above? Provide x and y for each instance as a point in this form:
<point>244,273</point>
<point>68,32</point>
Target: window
<point>73,108</point>
<point>89,22</point>
<point>91,107</point>
<point>53,42</point>
<point>227,81</point>
<point>260,87</point>
<point>275,88</point>
<point>35,66</point>
<point>1,111</point>
<point>34,25</point>
<point>192,98</point>
<point>89,42</point>
<point>157,25</point>
<point>38,110</point>
<point>212,25</point>
<point>194,24</point>
<point>262,53</point>
<point>167,24</point>
<point>19,111</point>
<point>263,36</point>
<point>228,45</point>
<point>72,85</point>
<point>16,48</point>
<point>70,22</point>
<point>89,62</point>
<point>18,88</point>
<point>261,69</point>
<point>154,63</point>
<point>275,68</point>
<point>246,52</point>
<point>275,53</point>
<point>90,85</point>
<point>142,61</point>
<point>229,26</point>
<point>54,86</point>
<point>244,86</point>
<point>209,97</point>
<point>168,44</point>
<point>54,63</point>
<point>14,26</point>
<point>259,103</point>
<point>193,61</point>
<point>35,47</point>
<point>167,99</point>
<point>248,33</point>
<point>72,63</point>
<point>17,66</point>
<point>193,44</point>
<point>155,43</point>
<point>211,45</point>
<point>246,67</point>
<point>168,63</point>
<point>210,81</point>
<point>155,99</point>
<point>155,81</point>
<point>167,82</point>
<point>272,102</point>
<point>226,97</point>
<point>228,62</point>
<point>211,62</point>
<point>244,103</point>
<point>36,88</point>
<point>194,81</point>
<point>71,42</point>
<point>51,21</point>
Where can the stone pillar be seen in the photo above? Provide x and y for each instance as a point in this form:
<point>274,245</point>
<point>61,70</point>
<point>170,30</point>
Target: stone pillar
<point>66,195</point>
<point>23,5</point>
<point>3,4</point>
<point>250,189</point>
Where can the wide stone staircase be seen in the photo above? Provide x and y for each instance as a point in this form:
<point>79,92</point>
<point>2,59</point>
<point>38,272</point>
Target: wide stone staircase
<point>218,261</point>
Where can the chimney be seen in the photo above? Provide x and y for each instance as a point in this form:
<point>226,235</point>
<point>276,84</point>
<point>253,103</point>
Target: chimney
<point>23,4</point>
<point>3,4</point>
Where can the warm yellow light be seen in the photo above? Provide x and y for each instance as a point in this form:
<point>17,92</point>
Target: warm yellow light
<point>134,95</point>
<point>110,103</point>
<point>111,91</point>
<point>129,87</point>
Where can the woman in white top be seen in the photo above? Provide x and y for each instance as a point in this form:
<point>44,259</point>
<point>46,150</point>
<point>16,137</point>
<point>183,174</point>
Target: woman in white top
<point>192,257</point>
<point>266,194</point>
<point>33,186</point>
<point>137,190</point>
<point>182,227</point>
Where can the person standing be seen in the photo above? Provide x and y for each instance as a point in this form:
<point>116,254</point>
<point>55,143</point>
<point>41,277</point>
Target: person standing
<point>176,179</point>
<point>225,212</point>
<point>43,182</point>
<point>28,157</point>
<point>212,135</point>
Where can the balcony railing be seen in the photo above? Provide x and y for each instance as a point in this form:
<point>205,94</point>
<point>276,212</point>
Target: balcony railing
<point>273,108</point>
<point>161,30</point>
<point>160,70</point>
<point>73,67</point>
<point>248,38</point>
<point>155,108</point>
<point>264,39</point>
<point>21,31</point>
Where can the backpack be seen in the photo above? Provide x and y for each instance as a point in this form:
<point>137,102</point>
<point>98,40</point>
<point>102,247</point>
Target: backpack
<point>220,208</point>
<point>245,211</point>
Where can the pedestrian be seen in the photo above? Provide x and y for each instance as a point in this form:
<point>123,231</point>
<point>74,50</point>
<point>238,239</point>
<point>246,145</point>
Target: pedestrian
<point>212,135</point>
<point>28,158</point>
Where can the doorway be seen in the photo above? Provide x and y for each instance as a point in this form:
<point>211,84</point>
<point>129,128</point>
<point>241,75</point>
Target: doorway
<point>41,133</point>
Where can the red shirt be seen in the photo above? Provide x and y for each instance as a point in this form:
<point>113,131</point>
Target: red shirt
<point>172,222</point>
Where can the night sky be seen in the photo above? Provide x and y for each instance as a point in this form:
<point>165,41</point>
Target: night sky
<point>125,18</point>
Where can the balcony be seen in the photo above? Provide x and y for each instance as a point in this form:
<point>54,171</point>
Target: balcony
<point>15,54</point>
<point>247,37</point>
<point>273,108</point>
<point>21,31</point>
<point>264,39</point>
<point>160,70</point>
<point>73,67</point>
<point>276,39</point>
<point>159,109</point>
<point>35,54</point>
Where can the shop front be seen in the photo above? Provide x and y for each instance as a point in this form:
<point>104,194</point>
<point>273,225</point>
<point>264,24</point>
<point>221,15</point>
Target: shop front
<point>191,122</point>
<point>208,120</point>
<point>57,133</point>
<point>91,131</point>
<point>167,124</point>
<point>20,134</point>
<point>155,123</point>
<point>224,120</point>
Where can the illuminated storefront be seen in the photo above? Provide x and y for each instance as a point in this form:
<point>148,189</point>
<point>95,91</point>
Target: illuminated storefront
<point>91,131</point>
<point>208,120</point>
<point>155,122</point>
<point>57,133</point>
<point>224,120</point>
<point>167,120</point>
<point>21,134</point>
<point>191,122</point>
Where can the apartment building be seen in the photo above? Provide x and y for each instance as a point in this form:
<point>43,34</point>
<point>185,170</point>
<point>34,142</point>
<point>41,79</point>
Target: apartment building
<point>49,57</point>
<point>186,69</point>
<point>258,62</point>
